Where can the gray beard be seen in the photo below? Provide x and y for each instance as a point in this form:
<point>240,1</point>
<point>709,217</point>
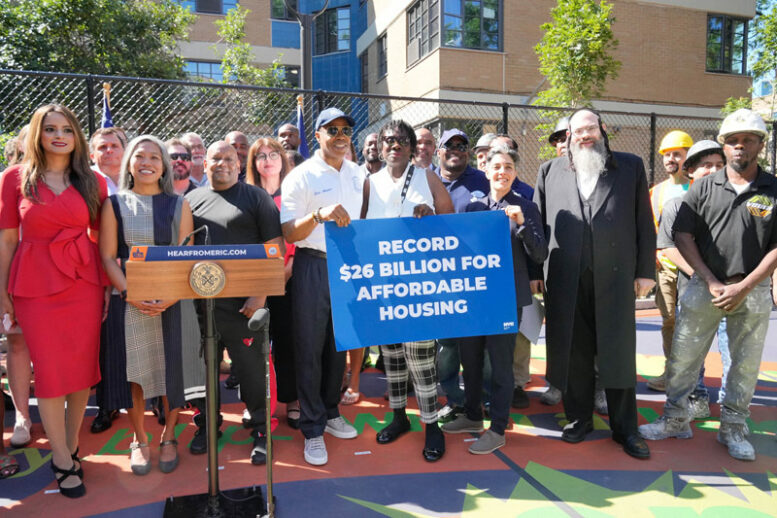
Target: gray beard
<point>589,162</point>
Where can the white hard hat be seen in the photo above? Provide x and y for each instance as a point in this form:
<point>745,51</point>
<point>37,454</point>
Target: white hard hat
<point>743,121</point>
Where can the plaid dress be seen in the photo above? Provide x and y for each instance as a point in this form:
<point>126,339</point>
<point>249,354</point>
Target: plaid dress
<point>158,353</point>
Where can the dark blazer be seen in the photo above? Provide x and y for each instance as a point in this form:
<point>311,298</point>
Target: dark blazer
<point>528,240</point>
<point>624,245</point>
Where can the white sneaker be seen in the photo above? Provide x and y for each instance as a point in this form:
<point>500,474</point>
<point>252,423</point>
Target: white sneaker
<point>340,428</point>
<point>21,434</point>
<point>315,451</point>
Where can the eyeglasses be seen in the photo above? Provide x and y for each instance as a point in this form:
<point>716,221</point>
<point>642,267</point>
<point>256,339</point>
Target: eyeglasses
<point>274,155</point>
<point>461,148</point>
<point>332,131</point>
<point>391,140</point>
<point>180,156</point>
<point>593,129</point>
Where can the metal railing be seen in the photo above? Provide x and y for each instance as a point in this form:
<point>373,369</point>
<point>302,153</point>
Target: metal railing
<point>168,108</point>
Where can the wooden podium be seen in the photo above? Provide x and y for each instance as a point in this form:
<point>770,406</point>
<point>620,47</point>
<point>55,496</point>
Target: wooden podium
<point>209,272</point>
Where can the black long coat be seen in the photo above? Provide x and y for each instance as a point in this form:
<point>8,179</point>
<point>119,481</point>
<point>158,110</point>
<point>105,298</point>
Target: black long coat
<point>624,245</point>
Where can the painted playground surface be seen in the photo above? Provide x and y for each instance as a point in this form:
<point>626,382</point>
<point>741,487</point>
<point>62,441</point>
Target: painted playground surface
<point>534,475</point>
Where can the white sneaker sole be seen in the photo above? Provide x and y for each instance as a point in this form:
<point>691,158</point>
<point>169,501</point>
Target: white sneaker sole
<point>352,434</point>
<point>316,461</point>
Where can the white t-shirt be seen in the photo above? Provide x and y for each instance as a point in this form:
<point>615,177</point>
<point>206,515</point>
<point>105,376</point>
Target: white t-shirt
<point>386,194</point>
<point>314,184</point>
<point>112,187</point>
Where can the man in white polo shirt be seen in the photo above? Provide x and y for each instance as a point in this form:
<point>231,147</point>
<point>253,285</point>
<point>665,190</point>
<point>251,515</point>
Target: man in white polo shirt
<point>325,187</point>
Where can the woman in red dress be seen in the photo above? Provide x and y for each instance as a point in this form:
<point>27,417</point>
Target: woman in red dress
<point>51,278</point>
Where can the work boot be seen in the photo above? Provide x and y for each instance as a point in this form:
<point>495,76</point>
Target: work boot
<point>699,407</point>
<point>665,427</point>
<point>732,435</point>
<point>658,383</point>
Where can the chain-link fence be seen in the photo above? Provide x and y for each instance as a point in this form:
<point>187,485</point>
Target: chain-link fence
<point>169,108</point>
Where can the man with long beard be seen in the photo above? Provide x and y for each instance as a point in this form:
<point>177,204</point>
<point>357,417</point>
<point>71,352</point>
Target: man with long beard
<point>596,213</point>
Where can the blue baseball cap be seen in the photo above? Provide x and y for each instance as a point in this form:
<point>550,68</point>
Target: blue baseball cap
<point>330,114</point>
<point>449,134</point>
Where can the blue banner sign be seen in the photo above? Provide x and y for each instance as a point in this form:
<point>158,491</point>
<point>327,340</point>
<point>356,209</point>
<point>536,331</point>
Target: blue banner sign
<point>203,253</point>
<point>405,279</point>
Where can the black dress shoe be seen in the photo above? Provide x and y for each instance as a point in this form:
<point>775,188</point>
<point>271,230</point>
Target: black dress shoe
<point>576,431</point>
<point>103,420</point>
<point>633,444</point>
<point>520,398</point>
<point>393,431</point>
<point>433,454</point>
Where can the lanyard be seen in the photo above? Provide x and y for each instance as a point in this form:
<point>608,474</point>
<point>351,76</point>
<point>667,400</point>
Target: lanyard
<point>409,173</point>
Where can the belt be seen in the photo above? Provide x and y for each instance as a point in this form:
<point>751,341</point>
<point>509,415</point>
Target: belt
<point>312,251</point>
<point>734,279</point>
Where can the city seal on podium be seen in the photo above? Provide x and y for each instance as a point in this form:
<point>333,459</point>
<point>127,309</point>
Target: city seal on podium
<point>207,279</point>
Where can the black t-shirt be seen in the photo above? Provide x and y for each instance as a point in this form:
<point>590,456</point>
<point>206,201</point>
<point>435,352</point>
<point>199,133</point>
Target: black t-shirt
<point>242,214</point>
<point>733,231</point>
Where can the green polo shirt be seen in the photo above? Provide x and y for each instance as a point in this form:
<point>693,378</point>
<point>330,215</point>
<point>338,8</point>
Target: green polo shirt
<point>733,231</point>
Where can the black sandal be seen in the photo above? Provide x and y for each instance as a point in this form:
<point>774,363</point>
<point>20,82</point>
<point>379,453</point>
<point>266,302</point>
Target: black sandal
<point>61,474</point>
<point>80,470</point>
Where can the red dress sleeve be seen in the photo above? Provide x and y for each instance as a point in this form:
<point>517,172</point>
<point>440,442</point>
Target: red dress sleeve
<point>10,194</point>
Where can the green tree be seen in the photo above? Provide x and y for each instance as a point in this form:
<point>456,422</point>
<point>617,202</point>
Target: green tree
<point>110,37</point>
<point>236,67</point>
<point>763,56</point>
<point>236,63</point>
<point>575,55</point>
<point>735,103</point>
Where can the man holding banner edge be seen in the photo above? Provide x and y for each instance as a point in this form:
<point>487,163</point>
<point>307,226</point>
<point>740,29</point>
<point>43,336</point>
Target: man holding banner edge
<point>325,187</point>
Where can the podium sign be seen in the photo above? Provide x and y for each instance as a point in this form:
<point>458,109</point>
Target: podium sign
<point>244,271</point>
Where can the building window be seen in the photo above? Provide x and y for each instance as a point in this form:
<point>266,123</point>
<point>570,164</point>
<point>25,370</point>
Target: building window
<point>471,24</point>
<point>209,6</point>
<point>332,32</point>
<point>365,67</point>
<point>204,69</point>
<point>382,57</point>
<point>726,44</point>
<point>280,11</point>
<point>423,29</point>
<point>290,74</point>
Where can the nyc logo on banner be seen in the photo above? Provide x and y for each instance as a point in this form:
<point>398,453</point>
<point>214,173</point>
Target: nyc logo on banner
<point>404,279</point>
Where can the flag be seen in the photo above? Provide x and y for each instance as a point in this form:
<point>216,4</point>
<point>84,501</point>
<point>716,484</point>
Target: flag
<point>107,120</point>
<point>303,141</point>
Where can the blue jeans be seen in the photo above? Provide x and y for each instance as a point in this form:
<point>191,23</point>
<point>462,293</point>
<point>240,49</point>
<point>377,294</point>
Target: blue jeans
<point>698,321</point>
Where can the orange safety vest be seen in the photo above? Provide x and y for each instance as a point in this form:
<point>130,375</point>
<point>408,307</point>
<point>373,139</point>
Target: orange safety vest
<point>658,198</point>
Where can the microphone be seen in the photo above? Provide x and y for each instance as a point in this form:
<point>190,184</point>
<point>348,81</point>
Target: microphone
<point>194,232</point>
<point>259,319</point>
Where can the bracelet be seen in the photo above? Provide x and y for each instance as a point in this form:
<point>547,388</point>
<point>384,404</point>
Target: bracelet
<point>123,294</point>
<point>317,216</point>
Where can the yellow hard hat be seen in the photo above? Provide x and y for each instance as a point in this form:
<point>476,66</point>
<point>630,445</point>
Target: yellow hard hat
<point>674,140</point>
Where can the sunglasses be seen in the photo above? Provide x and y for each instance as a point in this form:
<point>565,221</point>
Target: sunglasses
<point>180,156</point>
<point>332,131</point>
<point>391,140</point>
<point>461,148</point>
<point>274,155</point>
<point>560,139</point>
